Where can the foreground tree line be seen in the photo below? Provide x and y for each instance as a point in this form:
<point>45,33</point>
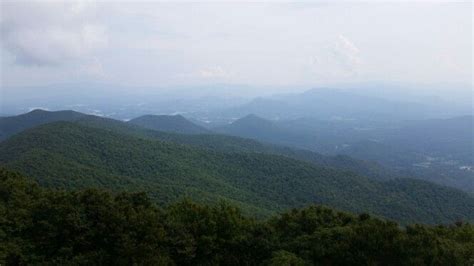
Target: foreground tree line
<point>88,227</point>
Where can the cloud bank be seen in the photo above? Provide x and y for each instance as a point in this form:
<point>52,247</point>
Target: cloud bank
<point>166,43</point>
<point>340,58</point>
<point>50,33</point>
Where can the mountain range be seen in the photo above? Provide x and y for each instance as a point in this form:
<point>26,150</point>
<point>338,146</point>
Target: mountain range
<point>213,141</point>
<point>99,152</point>
<point>327,103</point>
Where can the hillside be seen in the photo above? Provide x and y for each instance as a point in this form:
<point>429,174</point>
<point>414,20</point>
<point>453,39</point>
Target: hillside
<point>169,123</point>
<point>222,143</point>
<point>14,124</point>
<point>227,143</point>
<point>254,127</point>
<point>72,156</point>
<point>45,226</point>
<point>397,160</point>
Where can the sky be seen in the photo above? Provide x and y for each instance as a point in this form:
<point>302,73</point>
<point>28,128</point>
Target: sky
<point>157,44</point>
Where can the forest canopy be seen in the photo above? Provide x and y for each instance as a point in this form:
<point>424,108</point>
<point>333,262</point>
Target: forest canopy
<point>46,226</point>
<point>73,156</point>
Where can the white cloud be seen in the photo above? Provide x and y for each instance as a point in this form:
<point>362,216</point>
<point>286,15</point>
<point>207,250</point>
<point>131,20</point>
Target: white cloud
<point>347,54</point>
<point>346,44</point>
<point>214,72</point>
<point>50,33</point>
<point>207,73</point>
<point>253,43</point>
<point>340,58</point>
<point>93,69</point>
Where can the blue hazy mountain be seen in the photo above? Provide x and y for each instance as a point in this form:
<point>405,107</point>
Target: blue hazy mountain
<point>14,124</point>
<point>325,103</point>
<point>438,150</point>
<point>169,123</point>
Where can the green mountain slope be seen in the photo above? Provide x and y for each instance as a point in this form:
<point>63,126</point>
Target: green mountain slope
<point>14,124</point>
<point>225,143</point>
<point>222,143</point>
<point>168,123</point>
<point>71,155</point>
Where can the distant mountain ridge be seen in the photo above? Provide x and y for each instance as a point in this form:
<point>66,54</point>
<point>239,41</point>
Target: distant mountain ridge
<point>169,123</point>
<point>255,127</point>
<point>325,103</point>
<point>249,125</point>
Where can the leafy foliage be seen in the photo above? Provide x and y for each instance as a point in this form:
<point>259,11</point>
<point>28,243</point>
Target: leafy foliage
<point>44,226</point>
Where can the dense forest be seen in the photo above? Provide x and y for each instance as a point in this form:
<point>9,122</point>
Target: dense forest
<point>47,226</point>
<point>164,128</point>
<point>71,155</point>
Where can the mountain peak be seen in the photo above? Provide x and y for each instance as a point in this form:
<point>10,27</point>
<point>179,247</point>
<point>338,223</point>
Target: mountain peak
<point>38,111</point>
<point>14,124</point>
<point>169,123</point>
<point>249,125</point>
<point>251,118</point>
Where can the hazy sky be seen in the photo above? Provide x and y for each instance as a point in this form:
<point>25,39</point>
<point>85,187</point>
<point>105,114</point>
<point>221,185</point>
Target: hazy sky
<point>162,44</point>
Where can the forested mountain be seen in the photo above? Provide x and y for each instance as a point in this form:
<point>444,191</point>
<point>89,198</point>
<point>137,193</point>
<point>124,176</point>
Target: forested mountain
<point>404,151</point>
<point>226,143</point>
<point>43,226</point>
<point>169,123</point>
<point>14,124</point>
<point>71,155</point>
<point>254,127</point>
